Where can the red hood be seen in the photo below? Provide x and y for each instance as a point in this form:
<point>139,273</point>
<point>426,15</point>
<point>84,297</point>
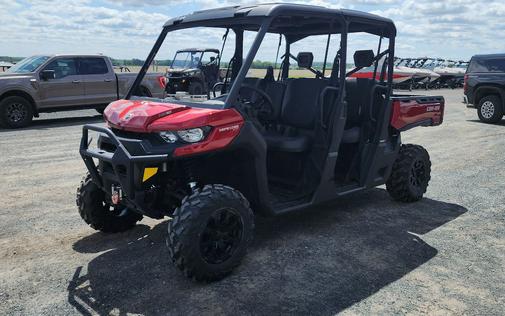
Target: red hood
<point>149,116</point>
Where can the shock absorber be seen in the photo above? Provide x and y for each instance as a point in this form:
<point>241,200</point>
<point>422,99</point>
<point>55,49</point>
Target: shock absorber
<point>189,165</point>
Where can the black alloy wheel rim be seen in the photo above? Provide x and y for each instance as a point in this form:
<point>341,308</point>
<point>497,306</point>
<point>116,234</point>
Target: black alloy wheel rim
<point>198,90</point>
<point>417,174</point>
<point>16,112</point>
<point>221,236</point>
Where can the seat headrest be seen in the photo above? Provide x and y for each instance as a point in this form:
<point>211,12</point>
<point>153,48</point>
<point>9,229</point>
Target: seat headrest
<point>270,74</point>
<point>305,59</point>
<point>363,58</point>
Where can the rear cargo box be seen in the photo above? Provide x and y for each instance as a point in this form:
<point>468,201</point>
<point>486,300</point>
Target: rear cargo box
<point>411,111</point>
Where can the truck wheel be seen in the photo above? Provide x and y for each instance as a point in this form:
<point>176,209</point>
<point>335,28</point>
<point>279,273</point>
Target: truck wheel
<point>209,233</point>
<point>195,88</point>
<point>490,109</point>
<point>410,174</point>
<point>15,112</point>
<point>98,213</point>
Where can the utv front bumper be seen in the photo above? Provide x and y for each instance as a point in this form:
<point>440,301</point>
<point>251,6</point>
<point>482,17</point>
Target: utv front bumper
<point>175,84</point>
<point>118,167</point>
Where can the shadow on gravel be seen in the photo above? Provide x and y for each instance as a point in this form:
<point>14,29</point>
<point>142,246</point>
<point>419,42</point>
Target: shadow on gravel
<point>500,123</point>
<point>319,261</point>
<point>58,122</point>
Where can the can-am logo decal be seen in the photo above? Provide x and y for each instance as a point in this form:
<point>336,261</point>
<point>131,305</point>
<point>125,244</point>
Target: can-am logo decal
<point>433,108</point>
<point>128,116</point>
<point>229,128</point>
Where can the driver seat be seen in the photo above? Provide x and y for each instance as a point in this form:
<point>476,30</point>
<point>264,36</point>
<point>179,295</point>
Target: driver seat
<point>297,117</point>
<point>298,112</point>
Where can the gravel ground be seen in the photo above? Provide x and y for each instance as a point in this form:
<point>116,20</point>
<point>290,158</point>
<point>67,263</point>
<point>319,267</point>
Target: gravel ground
<point>363,254</point>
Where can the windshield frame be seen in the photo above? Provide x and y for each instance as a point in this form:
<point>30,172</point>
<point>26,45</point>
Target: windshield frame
<point>18,67</point>
<point>231,98</point>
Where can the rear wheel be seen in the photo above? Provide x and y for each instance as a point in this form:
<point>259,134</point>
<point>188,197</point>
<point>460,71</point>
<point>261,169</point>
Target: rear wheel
<point>209,234</point>
<point>490,109</point>
<point>15,112</point>
<point>97,212</point>
<point>195,88</point>
<point>410,174</point>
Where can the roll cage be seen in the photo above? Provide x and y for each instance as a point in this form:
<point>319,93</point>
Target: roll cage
<point>293,22</point>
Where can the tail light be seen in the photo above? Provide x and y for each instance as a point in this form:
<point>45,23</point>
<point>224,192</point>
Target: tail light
<point>162,81</point>
<point>465,84</point>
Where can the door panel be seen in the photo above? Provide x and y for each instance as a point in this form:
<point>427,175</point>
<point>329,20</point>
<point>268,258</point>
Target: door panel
<point>66,89</point>
<point>99,81</point>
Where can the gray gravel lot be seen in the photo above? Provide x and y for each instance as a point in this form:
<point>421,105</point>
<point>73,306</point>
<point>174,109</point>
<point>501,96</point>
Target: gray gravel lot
<point>359,255</point>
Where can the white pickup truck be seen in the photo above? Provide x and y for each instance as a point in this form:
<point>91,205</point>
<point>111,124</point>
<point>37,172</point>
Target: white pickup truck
<point>65,82</point>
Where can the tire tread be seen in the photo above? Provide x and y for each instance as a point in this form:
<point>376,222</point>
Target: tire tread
<point>183,223</point>
<point>397,184</point>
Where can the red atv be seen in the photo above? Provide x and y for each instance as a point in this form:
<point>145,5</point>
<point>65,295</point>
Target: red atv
<point>262,145</point>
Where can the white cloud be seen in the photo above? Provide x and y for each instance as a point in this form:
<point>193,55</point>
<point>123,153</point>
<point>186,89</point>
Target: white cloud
<point>127,28</point>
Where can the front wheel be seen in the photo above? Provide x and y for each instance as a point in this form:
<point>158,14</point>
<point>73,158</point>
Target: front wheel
<point>410,175</point>
<point>490,109</point>
<point>98,213</point>
<point>195,88</point>
<point>209,233</point>
<point>15,112</point>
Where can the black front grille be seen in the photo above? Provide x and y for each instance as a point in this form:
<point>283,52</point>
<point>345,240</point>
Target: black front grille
<point>128,134</point>
<point>137,144</point>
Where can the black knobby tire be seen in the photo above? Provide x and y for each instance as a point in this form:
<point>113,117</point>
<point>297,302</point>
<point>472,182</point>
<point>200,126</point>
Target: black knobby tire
<point>410,175</point>
<point>490,109</point>
<point>204,247</point>
<point>195,88</point>
<point>98,214</point>
<point>15,112</point>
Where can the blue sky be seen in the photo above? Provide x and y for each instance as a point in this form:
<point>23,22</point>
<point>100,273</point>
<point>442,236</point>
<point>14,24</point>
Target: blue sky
<point>454,29</point>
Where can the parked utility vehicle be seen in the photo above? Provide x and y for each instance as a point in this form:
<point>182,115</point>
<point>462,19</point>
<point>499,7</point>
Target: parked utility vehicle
<point>50,83</point>
<point>484,87</point>
<point>194,71</point>
<point>264,146</point>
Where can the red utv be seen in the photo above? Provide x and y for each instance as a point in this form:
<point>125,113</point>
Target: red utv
<point>261,146</point>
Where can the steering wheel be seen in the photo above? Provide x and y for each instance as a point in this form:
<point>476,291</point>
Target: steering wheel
<point>263,107</point>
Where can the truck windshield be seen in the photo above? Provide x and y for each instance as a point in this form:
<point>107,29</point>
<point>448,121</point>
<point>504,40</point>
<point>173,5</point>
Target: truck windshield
<point>185,60</point>
<point>29,64</point>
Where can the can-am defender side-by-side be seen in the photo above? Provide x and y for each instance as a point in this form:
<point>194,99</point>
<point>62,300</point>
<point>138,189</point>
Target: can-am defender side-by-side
<point>194,71</point>
<point>264,146</point>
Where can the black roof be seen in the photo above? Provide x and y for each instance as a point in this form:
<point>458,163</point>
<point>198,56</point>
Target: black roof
<point>293,19</point>
<point>213,50</point>
<point>489,56</point>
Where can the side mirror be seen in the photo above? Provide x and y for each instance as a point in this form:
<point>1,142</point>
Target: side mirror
<point>305,59</point>
<point>363,58</point>
<point>47,75</point>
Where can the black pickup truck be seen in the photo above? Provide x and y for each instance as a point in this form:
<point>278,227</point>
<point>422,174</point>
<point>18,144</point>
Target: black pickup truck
<point>485,86</point>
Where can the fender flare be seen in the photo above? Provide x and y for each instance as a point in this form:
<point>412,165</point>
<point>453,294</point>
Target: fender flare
<point>24,94</point>
<point>483,90</point>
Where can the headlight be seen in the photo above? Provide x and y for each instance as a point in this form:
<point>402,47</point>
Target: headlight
<point>191,135</point>
<point>190,73</point>
<point>169,137</point>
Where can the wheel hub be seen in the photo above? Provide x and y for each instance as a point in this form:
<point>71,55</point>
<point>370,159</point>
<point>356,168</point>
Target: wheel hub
<point>16,112</point>
<point>487,109</point>
<point>221,236</point>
